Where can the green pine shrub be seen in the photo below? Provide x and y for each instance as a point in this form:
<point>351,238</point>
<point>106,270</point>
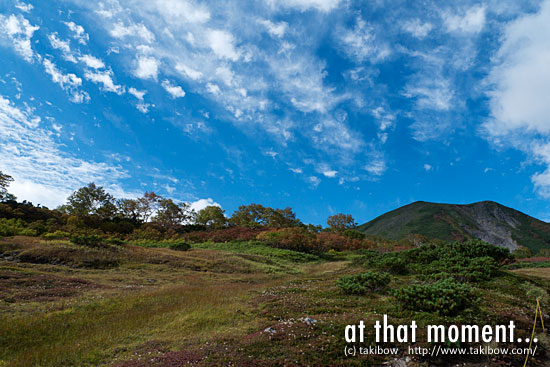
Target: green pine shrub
<point>446,297</point>
<point>371,281</point>
<point>88,241</point>
<point>180,246</point>
<point>57,235</point>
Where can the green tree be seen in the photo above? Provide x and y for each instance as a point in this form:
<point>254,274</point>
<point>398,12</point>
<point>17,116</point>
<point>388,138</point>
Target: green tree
<point>129,209</point>
<point>5,181</point>
<point>280,218</point>
<point>257,215</point>
<point>340,222</point>
<point>91,200</point>
<point>170,213</point>
<point>212,216</point>
<point>248,216</point>
<point>148,204</point>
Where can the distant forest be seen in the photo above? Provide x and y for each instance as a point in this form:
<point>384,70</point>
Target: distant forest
<point>91,214</point>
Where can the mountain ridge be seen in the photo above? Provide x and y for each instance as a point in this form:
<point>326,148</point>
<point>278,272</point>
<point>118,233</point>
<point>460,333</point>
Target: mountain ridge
<point>486,220</point>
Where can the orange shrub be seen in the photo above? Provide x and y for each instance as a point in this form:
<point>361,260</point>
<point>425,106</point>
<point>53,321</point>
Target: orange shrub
<point>294,238</point>
<point>223,235</point>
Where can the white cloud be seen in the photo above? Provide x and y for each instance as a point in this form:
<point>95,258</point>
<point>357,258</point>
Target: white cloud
<point>300,78</point>
<point>520,79</point>
<point>283,90</point>
<point>24,7</point>
<point>188,72</point>
<point>361,43</point>
<point>225,74</point>
<point>297,170</point>
<point>331,133</point>
<point>418,29</point>
<point>519,91</point>
<point>330,173</point>
<point>92,62</point>
<point>119,30</point>
<point>78,32</point>
<point>62,46</point>
<point>43,173</point>
<point>19,32</point>
<point>427,167</point>
<point>223,44</point>
<point>472,21</point>
<point>271,153</point>
<point>147,67</point>
<point>303,5</point>
<point>137,93</point>
<point>174,90</point>
<point>68,82</point>
<point>431,93</point>
<point>183,9</point>
<point>213,88</point>
<point>314,181</point>
<point>377,166</point>
<point>106,79</point>
<point>143,107</point>
<point>203,203</point>
<point>274,29</point>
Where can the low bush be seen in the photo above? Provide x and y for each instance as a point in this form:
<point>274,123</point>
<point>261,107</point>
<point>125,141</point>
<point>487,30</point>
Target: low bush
<point>354,234</point>
<point>15,227</point>
<point>115,241</point>
<point>462,269</point>
<point>470,261</point>
<point>180,246</point>
<point>223,235</point>
<point>445,296</point>
<point>88,241</point>
<point>371,281</point>
<point>295,238</point>
<point>472,249</point>
<point>57,235</point>
<point>341,242</point>
<point>393,263</point>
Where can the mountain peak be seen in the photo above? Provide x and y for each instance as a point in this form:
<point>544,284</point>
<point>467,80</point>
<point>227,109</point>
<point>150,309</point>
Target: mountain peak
<point>486,220</point>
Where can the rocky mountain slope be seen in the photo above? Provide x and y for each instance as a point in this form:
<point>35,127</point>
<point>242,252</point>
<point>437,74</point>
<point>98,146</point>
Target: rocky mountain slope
<point>485,220</point>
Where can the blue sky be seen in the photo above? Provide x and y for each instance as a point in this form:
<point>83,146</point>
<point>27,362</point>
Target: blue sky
<point>325,106</point>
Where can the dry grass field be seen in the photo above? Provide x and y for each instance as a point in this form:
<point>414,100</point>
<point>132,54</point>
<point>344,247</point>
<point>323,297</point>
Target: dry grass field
<point>214,305</point>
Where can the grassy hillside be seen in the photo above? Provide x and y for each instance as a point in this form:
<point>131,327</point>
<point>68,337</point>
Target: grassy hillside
<point>486,220</point>
<point>243,304</point>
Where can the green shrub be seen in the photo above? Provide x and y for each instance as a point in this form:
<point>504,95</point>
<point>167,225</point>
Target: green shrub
<point>57,235</point>
<point>115,241</point>
<point>445,296</point>
<point>469,261</point>
<point>371,281</point>
<point>180,246</point>
<point>88,241</point>
<point>472,249</point>
<point>522,252</point>
<point>462,269</point>
<point>393,263</point>
<point>15,227</point>
<point>354,234</point>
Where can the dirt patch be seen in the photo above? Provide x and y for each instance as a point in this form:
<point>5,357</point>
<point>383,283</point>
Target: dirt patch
<point>155,358</point>
<point>538,259</point>
<point>17,286</point>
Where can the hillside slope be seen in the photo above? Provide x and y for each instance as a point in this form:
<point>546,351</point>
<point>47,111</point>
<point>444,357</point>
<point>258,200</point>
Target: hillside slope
<point>485,220</point>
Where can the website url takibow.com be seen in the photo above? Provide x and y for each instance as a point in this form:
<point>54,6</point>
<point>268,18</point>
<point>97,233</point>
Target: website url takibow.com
<point>439,350</point>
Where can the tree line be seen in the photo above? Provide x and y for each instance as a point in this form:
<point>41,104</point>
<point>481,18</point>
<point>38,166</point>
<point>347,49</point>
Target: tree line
<point>93,206</point>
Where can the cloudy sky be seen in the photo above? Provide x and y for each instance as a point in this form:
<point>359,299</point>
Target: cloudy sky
<point>322,105</point>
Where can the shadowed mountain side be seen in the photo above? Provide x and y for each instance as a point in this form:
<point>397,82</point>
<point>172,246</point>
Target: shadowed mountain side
<point>485,220</point>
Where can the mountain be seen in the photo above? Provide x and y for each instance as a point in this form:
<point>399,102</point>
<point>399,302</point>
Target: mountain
<point>485,220</point>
